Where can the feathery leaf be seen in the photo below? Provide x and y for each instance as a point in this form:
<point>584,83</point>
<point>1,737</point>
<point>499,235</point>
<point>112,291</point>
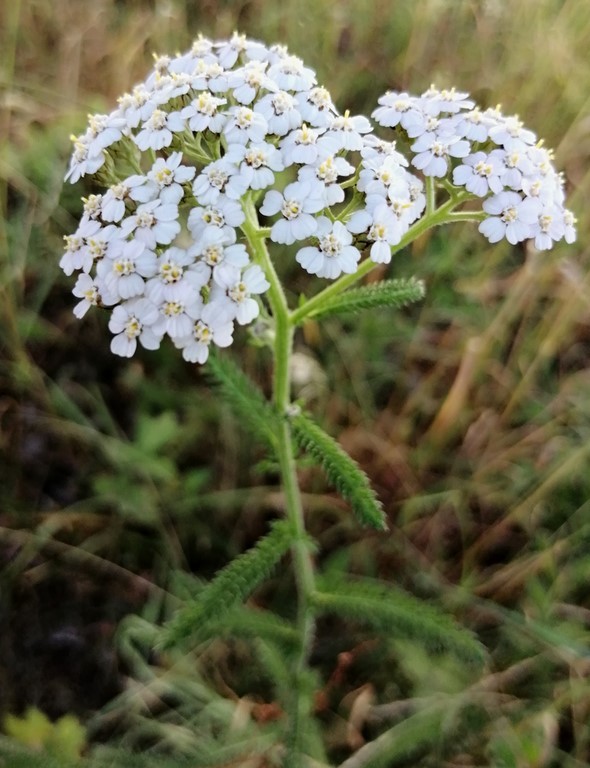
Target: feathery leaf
<point>244,398</point>
<point>398,613</point>
<point>387,293</point>
<point>341,470</point>
<point>232,585</point>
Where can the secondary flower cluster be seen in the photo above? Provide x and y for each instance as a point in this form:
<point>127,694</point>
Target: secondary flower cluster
<point>233,130</point>
<point>501,161</point>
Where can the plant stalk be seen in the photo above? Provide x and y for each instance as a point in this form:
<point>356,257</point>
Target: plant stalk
<point>302,558</point>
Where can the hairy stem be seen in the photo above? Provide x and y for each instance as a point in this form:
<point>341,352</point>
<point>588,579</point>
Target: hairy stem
<point>302,559</point>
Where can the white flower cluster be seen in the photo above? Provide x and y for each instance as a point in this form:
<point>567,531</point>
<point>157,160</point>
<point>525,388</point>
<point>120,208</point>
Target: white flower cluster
<point>235,124</point>
<point>501,161</point>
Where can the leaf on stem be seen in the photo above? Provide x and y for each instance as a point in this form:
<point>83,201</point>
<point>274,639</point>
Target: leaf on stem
<point>399,614</point>
<point>231,586</point>
<point>387,293</point>
<point>244,398</point>
<point>341,470</point>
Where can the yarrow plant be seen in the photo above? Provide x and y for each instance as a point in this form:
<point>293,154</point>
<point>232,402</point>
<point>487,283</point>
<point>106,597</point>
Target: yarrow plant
<point>231,158</point>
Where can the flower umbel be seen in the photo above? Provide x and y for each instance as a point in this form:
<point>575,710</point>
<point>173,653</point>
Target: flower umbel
<point>233,127</point>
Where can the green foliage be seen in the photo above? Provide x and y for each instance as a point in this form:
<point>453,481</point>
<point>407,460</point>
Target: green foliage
<point>398,614</point>
<point>387,293</point>
<point>516,423</point>
<point>231,586</point>
<point>406,741</point>
<point>246,622</point>
<point>341,470</point>
<point>245,399</point>
<point>64,738</point>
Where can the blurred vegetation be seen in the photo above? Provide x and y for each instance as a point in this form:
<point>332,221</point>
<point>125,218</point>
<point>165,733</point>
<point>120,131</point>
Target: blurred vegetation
<point>124,486</point>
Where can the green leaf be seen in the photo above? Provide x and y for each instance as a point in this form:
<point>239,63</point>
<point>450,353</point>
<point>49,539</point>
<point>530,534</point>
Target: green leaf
<point>153,432</point>
<point>244,398</point>
<point>33,729</point>
<point>232,585</point>
<point>68,738</point>
<point>399,614</point>
<point>387,293</point>
<point>261,625</point>
<point>341,470</point>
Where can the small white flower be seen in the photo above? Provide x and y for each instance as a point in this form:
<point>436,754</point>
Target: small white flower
<point>257,162</point>
<point>379,174</point>
<point>334,253</point>
<point>76,255</point>
<point>446,100</point>
<point>316,107</point>
<point>323,176</point>
<point>280,112</point>
<point>384,224</point>
<point>165,180</point>
<point>136,107</point>
<point>375,148</point>
<point>473,125</point>
<point>511,134</point>
<point>176,315</point>
<point>219,177</point>
<point>92,207</point>
<point>131,321</point>
<point>237,289</point>
<point>290,74</point>
<point>200,50</point>
<point>244,125</point>
<point>152,223</point>
<point>432,153</point>
<point>399,109</point>
<point>104,130</point>
<point>295,206</point>
<point>569,222</point>
<point>516,166</point>
<point>92,293</point>
<point>113,202</point>
<point>124,271</point>
<point>480,173</point>
<point>229,51</point>
<point>209,75</point>
<point>83,161</point>
<point>217,247</point>
<point>549,227</point>
<point>301,146</point>
<point>203,113</point>
<point>509,216</point>
<point>214,326</point>
<point>239,45</point>
<point>157,130</point>
<point>177,277</point>
<point>248,80</point>
<point>345,132</point>
<point>225,215</point>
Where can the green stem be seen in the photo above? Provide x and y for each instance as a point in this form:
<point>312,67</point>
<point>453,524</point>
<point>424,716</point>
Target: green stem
<point>445,214</point>
<point>302,559</point>
<point>430,190</point>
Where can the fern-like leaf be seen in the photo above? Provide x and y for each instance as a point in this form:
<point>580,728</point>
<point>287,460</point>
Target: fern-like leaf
<point>342,471</point>
<point>246,400</point>
<point>231,586</point>
<point>244,621</point>
<point>387,293</point>
<point>399,614</point>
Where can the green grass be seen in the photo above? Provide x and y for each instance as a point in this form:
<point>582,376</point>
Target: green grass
<point>470,413</point>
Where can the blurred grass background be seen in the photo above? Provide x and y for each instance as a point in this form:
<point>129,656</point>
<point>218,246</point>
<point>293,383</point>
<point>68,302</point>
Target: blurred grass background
<point>470,412</point>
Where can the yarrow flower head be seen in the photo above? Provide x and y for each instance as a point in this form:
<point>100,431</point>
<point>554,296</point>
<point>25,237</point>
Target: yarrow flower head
<point>234,143</point>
